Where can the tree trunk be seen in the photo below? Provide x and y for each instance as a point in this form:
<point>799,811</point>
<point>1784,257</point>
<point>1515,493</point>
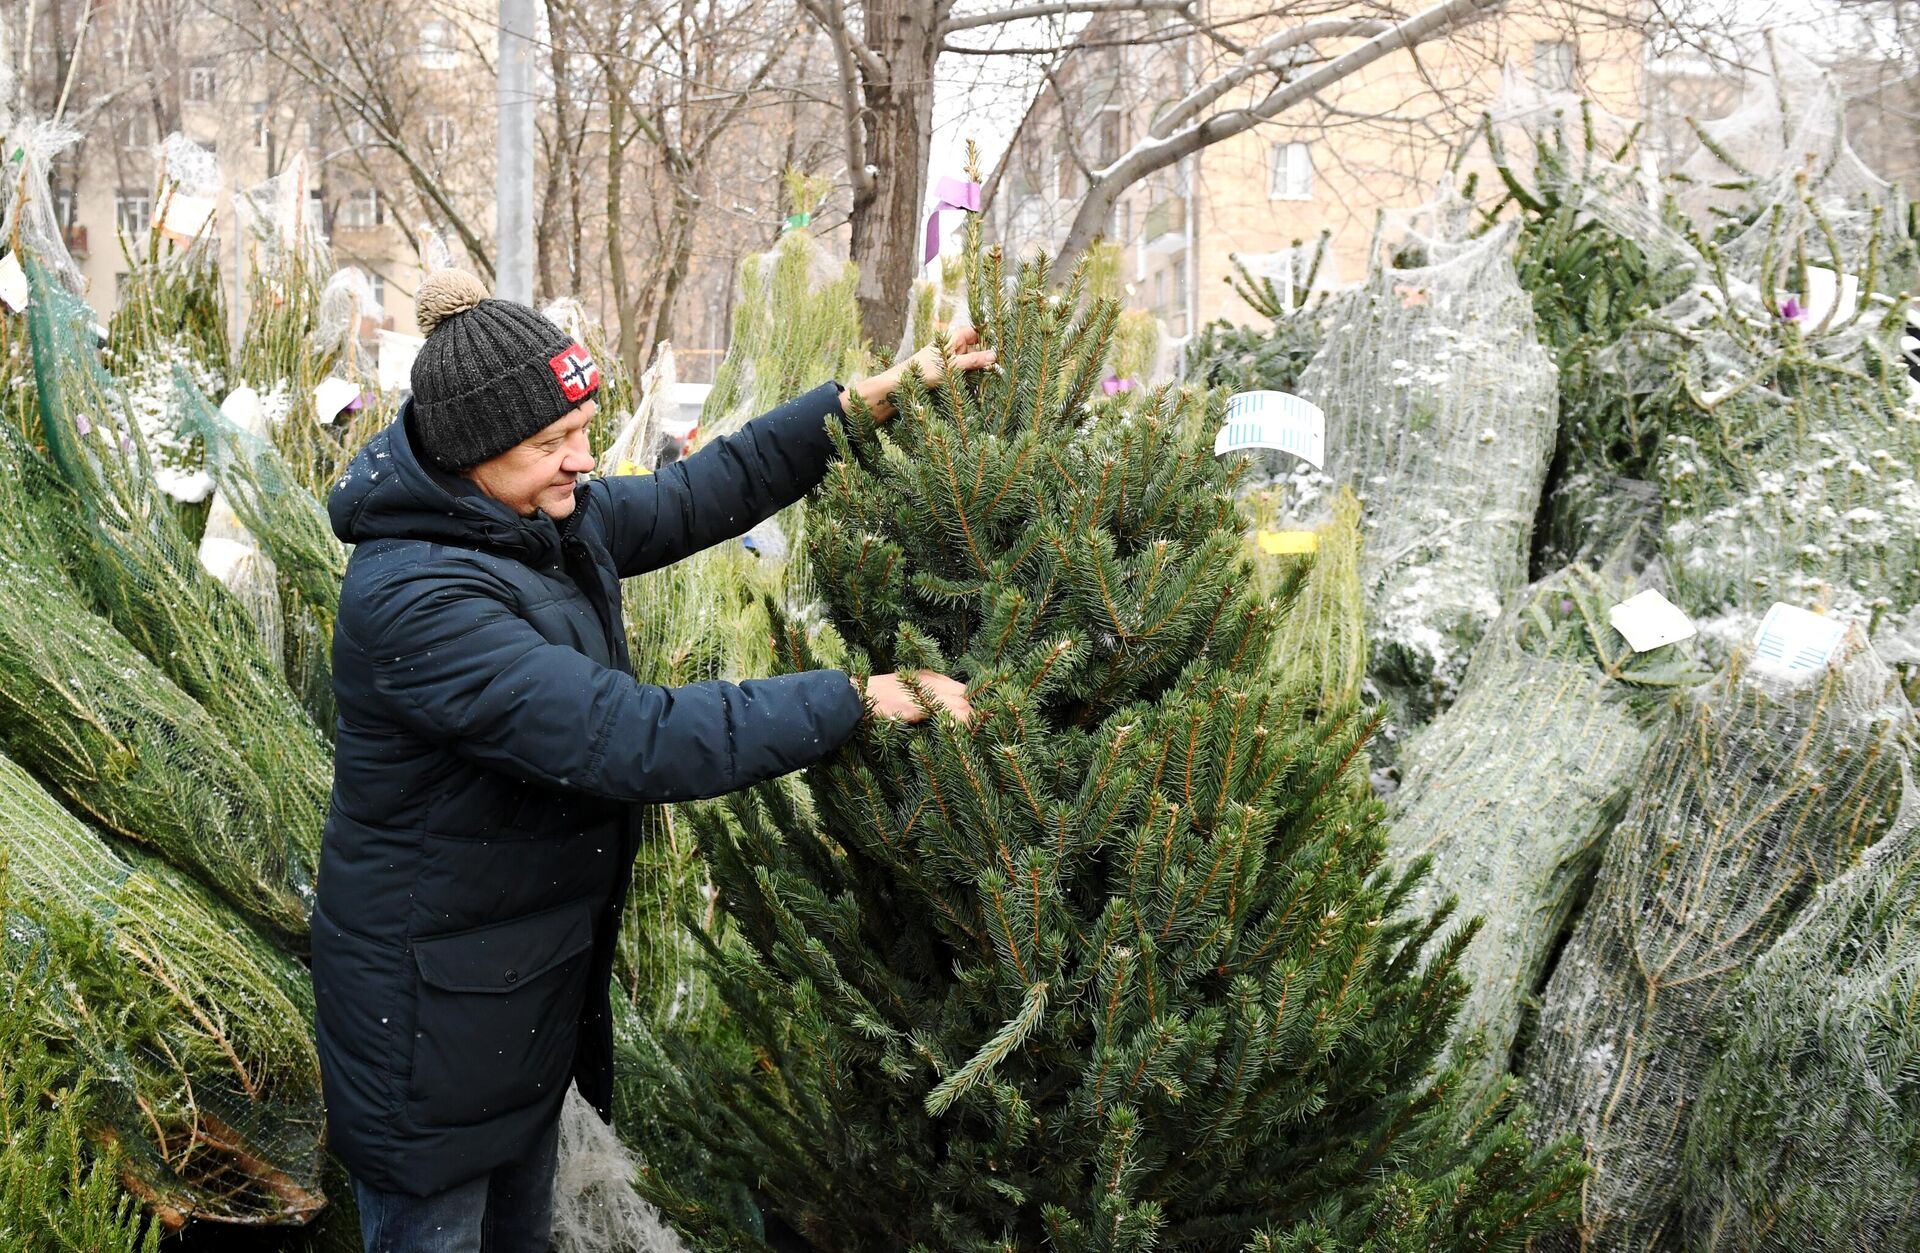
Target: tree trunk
<point>899,127</point>
<point>679,256</point>
<point>616,247</point>
<point>559,165</point>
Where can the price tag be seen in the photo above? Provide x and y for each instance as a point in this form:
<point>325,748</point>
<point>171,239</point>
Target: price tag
<point>1284,543</point>
<point>1277,420</point>
<point>333,395</point>
<point>182,218</point>
<point>13,283</point>
<point>397,352</point>
<point>1793,642</point>
<point>1649,620</point>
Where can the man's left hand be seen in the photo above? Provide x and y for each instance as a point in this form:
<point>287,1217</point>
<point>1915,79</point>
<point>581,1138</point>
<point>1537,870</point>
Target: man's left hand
<point>878,390</point>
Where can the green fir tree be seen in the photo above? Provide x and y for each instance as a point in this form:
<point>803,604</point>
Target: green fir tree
<point>1121,963</point>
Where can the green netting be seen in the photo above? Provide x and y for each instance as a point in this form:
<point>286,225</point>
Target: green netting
<point>58,1191</point>
<point>1321,643</point>
<point>102,723</point>
<point>1512,791</point>
<point>1440,407</point>
<point>126,550</point>
<point>1758,789</point>
<point>195,1031</point>
<point>1807,1132</point>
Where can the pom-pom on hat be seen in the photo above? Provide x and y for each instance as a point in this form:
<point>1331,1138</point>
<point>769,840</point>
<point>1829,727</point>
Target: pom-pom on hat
<point>491,373</point>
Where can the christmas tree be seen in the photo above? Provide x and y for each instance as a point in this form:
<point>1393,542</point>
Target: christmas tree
<point>1119,963</point>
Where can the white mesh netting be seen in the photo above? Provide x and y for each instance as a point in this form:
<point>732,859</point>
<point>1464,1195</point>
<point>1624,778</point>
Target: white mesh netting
<point>1513,789</point>
<point>1440,407</point>
<point>595,1209</point>
<point>1805,1133</point>
<point>1757,790</point>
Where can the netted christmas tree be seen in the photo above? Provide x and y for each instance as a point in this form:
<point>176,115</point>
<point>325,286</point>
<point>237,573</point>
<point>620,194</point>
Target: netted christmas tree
<point>1511,791</point>
<point>1119,963</point>
<point>126,552</point>
<point>1760,788</point>
<point>1440,406</point>
<point>193,1034</point>
<point>1600,243</point>
<point>1807,1132</point>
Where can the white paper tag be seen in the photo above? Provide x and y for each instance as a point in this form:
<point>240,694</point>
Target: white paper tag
<point>1649,620</point>
<point>1828,294</point>
<point>333,395</point>
<point>1794,642</point>
<point>1276,420</point>
<point>397,352</point>
<point>13,283</point>
<point>181,218</point>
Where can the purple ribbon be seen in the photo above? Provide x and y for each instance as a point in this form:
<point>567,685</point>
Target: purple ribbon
<point>950,193</point>
<point>1114,386</point>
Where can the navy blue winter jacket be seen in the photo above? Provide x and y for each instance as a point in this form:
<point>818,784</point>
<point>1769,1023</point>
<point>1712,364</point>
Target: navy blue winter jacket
<point>491,749</point>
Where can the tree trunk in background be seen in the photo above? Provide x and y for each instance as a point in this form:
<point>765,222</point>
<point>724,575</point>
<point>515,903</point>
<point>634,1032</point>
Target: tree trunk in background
<point>623,302</point>
<point>886,208</point>
<point>679,256</point>
<point>559,164</point>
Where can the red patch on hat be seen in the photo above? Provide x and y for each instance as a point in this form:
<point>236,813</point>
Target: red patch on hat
<point>576,371</point>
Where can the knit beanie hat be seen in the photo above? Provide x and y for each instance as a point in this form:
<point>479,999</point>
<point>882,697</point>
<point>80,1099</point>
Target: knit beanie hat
<point>491,373</point>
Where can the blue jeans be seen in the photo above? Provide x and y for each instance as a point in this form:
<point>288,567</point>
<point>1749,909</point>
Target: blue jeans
<point>507,1211</point>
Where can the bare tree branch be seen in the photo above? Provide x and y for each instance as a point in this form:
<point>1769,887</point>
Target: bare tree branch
<point>834,24</point>
<point>1060,8</point>
<point>1263,59</point>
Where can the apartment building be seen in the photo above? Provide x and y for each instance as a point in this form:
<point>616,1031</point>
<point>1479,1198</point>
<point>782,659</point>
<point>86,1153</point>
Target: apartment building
<point>1377,141</point>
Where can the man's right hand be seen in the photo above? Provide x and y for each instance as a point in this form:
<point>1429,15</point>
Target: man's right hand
<point>890,698</point>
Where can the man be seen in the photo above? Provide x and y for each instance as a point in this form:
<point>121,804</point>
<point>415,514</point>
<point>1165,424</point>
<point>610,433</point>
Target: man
<point>492,747</point>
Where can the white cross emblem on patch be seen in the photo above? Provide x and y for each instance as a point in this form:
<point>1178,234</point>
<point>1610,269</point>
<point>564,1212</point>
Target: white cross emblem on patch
<point>576,371</point>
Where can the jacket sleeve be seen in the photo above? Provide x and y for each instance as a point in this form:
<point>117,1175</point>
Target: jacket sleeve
<point>457,667</point>
<point>724,489</point>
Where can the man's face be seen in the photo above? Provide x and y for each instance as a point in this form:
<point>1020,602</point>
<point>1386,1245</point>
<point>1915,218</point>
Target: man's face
<point>539,471</point>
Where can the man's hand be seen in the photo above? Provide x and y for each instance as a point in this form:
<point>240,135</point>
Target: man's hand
<point>891,699</point>
<point>878,390</point>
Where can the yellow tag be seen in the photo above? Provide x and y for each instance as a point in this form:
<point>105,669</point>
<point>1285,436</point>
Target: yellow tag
<point>1280,543</point>
<point>632,467</point>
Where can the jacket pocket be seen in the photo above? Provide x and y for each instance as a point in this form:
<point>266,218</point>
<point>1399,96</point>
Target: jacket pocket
<point>498,1015</point>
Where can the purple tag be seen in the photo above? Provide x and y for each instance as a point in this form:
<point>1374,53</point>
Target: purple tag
<point>949,193</point>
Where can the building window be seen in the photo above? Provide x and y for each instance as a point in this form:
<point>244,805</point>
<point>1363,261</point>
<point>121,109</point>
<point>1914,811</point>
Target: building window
<point>136,131</point>
<point>1109,132</point>
<point>1177,313</point>
<point>440,132</point>
<point>1553,65</point>
<point>201,83</point>
<point>1067,176</point>
<point>1290,172</point>
<point>133,211</point>
<point>359,132</point>
<point>436,45</point>
<point>260,128</point>
<point>120,281</point>
<point>63,206</point>
<point>379,285</point>
<point>361,210</point>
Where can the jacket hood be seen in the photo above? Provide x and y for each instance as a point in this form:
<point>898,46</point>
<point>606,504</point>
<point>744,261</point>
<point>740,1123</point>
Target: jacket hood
<point>388,492</point>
